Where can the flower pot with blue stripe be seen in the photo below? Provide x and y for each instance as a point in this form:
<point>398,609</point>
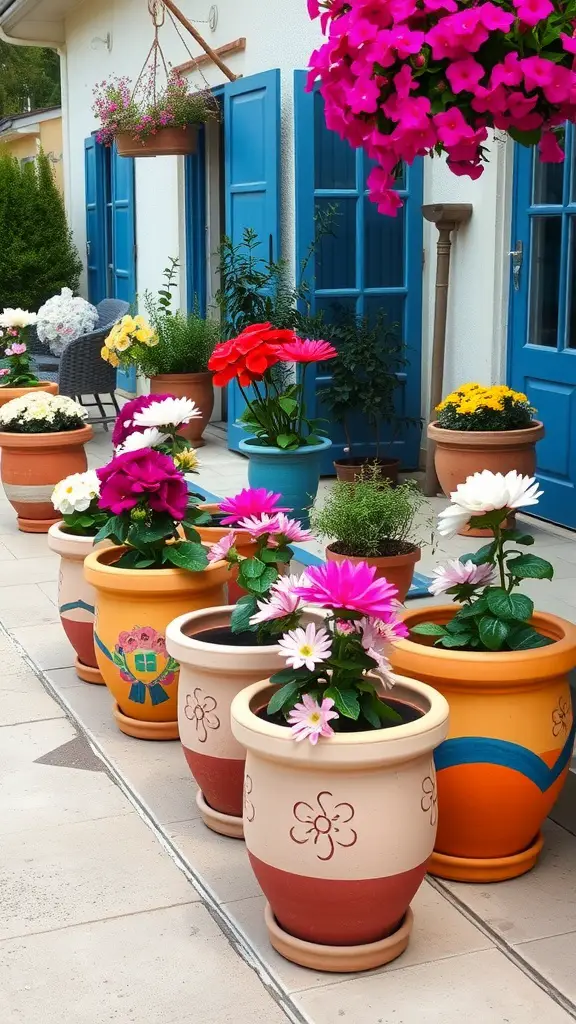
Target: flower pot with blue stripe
<point>294,474</point>
<point>76,599</point>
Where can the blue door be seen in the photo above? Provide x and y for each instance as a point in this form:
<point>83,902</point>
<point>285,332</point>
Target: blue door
<point>251,181</point>
<point>542,327</point>
<point>94,170</point>
<point>365,264</point>
<point>195,185</point>
<point>123,243</point>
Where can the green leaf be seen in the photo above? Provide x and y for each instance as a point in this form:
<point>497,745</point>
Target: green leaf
<point>527,639</point>
<point>284,695</point>
<point>488,520</point>
<point>493,632</point>
<point>268,556</point>
<point>528,139</point>
<point>482,556</point>
<point>187,555</point>
<point>518,537</point>
<point>429,629</point>
<point>457,625</point>
<point>252,568</point>
<point>262,584</point>
<point>388,714</point>
<point>287,440</point>
<point>367,702</point>
<point>345,701</point>
<point>530,567</point>
<point>509,606</point>
<point>288,405</point>
<point>456,640</point>
<point>287,675</point>
<point>115,527</point>
<point>140,534</point>
<point>470,611</point>
<point>313,439</point>
<point>245,608</point>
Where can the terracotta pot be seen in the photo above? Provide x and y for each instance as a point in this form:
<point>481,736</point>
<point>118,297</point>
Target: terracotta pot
<point>351,469</point>
<point>509,748</point>
<point>166,142</point>
<point>244,545</point>
<point>460,453</point>
<point>198,387</point>
<point>7,394</point>
<point>32,465</point>
<point>397,569</point>
<point>76,599</point>
<point>338,871</point>
<point>133,609</point>
<point>211,675</point>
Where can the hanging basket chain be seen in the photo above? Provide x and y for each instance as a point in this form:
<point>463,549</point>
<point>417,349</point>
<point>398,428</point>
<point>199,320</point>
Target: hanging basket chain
<point>155,53</point>
<point>193,59</point>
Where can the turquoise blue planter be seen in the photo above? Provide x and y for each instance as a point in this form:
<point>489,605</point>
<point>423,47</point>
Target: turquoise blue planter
<point>295,475</point>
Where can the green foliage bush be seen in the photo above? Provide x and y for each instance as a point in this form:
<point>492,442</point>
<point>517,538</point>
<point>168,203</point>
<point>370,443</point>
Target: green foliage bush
<point>37,255</point>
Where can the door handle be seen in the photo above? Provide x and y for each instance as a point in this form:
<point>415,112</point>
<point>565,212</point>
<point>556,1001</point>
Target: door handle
<point>517,255</point>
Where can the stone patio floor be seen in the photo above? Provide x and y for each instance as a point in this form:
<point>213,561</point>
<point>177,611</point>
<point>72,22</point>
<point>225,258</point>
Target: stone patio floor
<point>119,905</point>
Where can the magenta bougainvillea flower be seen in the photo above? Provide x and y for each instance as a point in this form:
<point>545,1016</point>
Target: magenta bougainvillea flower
<point>145,477</point>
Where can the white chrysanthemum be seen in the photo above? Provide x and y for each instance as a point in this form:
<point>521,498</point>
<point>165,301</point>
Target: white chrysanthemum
<point>76,492</point>
<point>39,405</point>
<point>17,318</point>
<point>485,492</point>
<point>149,438</point>
<point>168,412</point>
<point>63,318</point>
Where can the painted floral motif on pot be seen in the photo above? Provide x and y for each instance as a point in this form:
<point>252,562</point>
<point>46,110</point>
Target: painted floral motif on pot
<point>249,809</point>
<point>561,717</point>
<point>199,708</point>
<point>144,662</point>
<point>324,825</point>
<point>429,801</point>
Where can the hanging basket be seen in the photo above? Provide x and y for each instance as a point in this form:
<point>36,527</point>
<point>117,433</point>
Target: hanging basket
<point>166,142</point>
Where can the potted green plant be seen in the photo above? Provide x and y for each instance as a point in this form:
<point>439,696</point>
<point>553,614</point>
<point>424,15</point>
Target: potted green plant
<point>16,375</point>
<point>372,521</point>
<point>365,378</point>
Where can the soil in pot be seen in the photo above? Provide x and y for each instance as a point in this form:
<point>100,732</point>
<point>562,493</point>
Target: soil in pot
<point>351,469</point>
<point>397,565</point>
<point>407,713</point>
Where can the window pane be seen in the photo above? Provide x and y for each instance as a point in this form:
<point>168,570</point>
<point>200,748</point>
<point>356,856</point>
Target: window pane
<point>334,159</point>
<point>336,310</point>
<point>383,248</point>
<point>391,305</point>
<point>548,182</point>
<point>336,251</point>
<point>544,281</point>
<point>571,311</point>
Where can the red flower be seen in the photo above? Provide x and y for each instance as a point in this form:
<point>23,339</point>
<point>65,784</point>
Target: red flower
<point>143,476</point>
<point>301,350</point>
<point>249,356</point>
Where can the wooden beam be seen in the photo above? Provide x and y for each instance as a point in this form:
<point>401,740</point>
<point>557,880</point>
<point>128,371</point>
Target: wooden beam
<point>187,24</point>
<point>236,46</point>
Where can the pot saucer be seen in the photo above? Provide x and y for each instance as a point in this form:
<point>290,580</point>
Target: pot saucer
<point>88,673</point>
<point>145,730</point>
<point>224,824</point>
<point>485,869</point>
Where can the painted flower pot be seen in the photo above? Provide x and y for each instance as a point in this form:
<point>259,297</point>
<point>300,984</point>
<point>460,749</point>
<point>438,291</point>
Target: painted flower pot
<point>165,142</point>
<point>397,569</point>
<point>460,453</point>
<point>76,599</point>
<point>244,545</point>
<point>133,609</point>
<point>508,752</point>
<point>32,465</point>
<point>196,386</point>
<point>7,394</point>
<point>295,475</point>
<point>337,875</point>
<point>214,667</point>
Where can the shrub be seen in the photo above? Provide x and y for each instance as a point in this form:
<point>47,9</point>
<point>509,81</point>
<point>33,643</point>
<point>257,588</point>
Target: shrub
<point>369,518</point>
<point>37,255</point>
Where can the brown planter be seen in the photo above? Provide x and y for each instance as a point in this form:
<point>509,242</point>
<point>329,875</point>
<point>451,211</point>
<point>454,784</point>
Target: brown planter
<point>338,879</point>
<point>198,387</point>
<point>397,569</point>
<point>166,142</point>
<point>460,453</point>
<point>350,470</point>
<point>32,465</point>
<point>7,394</point>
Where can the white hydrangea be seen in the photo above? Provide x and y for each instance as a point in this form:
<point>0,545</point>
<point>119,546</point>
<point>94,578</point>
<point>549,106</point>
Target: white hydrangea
<point>76,492</point>
<point>39,405</point>
<point>64,318</point>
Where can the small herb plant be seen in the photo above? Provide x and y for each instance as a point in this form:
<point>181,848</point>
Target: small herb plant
<point>492,615</point>
<point>185,341</point>
<point>370,518</point>
<point>474,407</point>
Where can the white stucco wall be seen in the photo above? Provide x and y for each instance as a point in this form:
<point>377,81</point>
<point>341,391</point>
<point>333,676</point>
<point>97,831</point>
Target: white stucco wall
<point>279,34</point>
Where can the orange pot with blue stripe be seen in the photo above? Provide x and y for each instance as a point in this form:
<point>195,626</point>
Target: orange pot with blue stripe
<point>508,751</point>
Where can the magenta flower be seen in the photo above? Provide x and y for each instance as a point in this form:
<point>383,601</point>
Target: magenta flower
<point>143,477</point>
<point>309,720</point>
<point>456,573</point>
<point>282,601</point>
<point>125,422</point>
<point>290,529</point>
<point>252,501</point>
<point>532,11</point>
<point>346,585</point>
<point>18,348</point>
<point>302,350</point>
<point>220,551</point>
<point>258,526</point>
<point>4,372</point>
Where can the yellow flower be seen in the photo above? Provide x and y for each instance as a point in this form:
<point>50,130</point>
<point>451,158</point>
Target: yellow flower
<point>105,354</point>
<point>113,359</point>
<point>187,461</point>
<point>123,342</point>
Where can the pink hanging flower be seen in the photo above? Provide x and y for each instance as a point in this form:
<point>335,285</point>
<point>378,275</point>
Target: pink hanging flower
<point>348,585</point>
<point>220,551</point>
<point>309,720</point>
<point>302,350</point>
<point>550,149</point>
<point>252,501</point>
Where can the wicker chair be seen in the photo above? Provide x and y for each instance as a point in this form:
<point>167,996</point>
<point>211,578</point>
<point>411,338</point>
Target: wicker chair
<point>80,370</point>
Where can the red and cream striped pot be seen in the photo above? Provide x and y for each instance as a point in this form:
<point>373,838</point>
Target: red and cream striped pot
<point>340,834</point>
<point>76,599</point>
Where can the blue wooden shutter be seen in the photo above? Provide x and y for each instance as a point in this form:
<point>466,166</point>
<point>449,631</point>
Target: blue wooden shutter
<point>95,220</point>
<point>367,263</point>
<point>252,178</point>
<point>196,227</point>
<point>123,244</point>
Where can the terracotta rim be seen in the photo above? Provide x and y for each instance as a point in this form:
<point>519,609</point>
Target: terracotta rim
<point>341,959</point>
<point>141,730</point>
<point>489,869</point>
<point>88,674</point>
<point>58,439</point>
<point>408,558</point>
<point>486,438</point>
<point>207,618</point>
<point>367,748</point>
<point>72,545</point>
<point>49,386</point>
<point>104,576</point>
<point>468,669</point>
<point>224,824</point>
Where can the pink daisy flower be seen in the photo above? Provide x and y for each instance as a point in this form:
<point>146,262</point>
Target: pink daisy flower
<point>302,350</point>
<point>252,501</point>
<point>219,551</point>
<point>309,720</point>
<point>291,529</point>
<point>257,526</point>
<point>455,573</point>
<point>305,647</point>
<point>282,601</point>
<point>346,585</point>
